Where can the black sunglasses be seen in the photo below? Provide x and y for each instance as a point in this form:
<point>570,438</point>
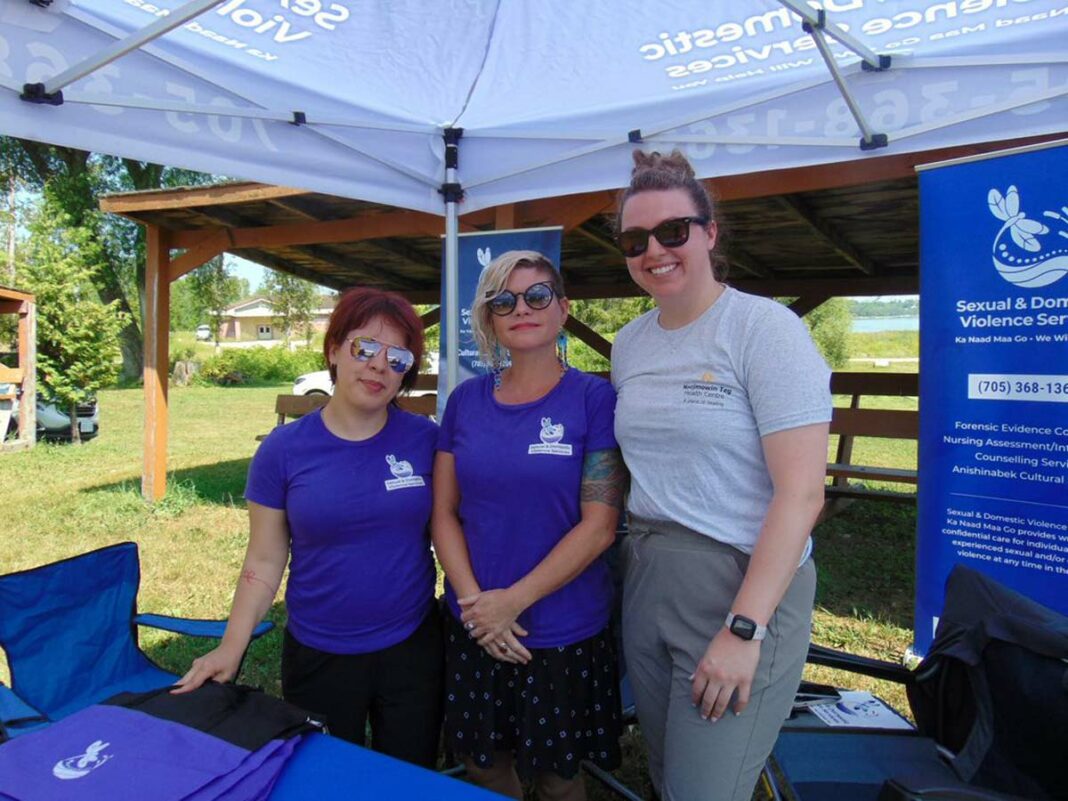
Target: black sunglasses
<point>400,360</point>
<point>537,296</point>
<point>670,233</point>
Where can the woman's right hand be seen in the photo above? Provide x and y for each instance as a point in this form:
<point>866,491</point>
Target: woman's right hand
<point>220,664</point>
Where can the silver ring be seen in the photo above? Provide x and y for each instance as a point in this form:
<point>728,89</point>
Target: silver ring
<point>469,625</point>
<point>503,647</point>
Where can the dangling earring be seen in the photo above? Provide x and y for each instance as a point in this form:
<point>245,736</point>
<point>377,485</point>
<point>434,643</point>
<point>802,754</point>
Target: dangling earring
<point>561,349</point>
<point>497,367</point>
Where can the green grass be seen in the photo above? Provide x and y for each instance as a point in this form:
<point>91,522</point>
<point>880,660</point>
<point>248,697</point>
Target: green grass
<point>884,344</point>
<point>63,500</point>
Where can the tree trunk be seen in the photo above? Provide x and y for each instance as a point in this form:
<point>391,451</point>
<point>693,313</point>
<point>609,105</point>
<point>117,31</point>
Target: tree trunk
<point>75,432</point>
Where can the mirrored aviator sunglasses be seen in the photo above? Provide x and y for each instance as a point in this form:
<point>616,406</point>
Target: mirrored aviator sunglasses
<point>400,360</point>
<point>537,296</point>
<point>671,233</point>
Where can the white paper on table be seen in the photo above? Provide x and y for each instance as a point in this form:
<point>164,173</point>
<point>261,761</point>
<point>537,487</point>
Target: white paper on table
<point>859,709</point>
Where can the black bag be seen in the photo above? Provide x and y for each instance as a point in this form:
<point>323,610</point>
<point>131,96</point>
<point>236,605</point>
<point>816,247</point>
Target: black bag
<point>994,688</point>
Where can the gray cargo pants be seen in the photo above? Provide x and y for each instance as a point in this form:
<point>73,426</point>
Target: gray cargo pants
<point>678,587</point>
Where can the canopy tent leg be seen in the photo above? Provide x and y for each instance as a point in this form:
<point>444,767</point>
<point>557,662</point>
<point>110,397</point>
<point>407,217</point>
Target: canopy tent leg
<point>157,336</point>
<point>453,193</point>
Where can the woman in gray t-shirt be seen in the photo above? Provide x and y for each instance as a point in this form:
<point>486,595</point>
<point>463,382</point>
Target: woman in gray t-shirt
<point>722,417</point>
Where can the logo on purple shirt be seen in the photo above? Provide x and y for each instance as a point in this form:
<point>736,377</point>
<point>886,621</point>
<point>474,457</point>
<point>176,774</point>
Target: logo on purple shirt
<point>403,475</point>
<point>551,436</point>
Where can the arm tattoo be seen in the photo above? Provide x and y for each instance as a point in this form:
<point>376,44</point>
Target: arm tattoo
<point>603,478</point>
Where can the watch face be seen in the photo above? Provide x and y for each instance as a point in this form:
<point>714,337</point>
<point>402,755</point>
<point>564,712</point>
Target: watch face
<point>743,627</point>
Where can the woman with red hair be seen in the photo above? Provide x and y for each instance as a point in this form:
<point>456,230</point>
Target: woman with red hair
<point>345,494</point>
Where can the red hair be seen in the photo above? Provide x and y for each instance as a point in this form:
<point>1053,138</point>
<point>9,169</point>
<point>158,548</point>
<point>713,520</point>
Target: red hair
<point>357,307</point>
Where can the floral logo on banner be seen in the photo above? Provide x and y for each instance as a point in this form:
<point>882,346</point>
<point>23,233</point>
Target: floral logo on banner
<point>77,766</point>
<point>1020,256</point>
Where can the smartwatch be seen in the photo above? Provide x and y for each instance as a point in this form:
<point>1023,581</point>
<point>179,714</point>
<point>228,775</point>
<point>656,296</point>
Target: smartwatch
<point>744,627</point>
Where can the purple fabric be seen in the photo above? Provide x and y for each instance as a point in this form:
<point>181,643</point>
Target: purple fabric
<point>107,753</point>
<point>520,472</point>
<point>361,576</point>
<point>254,778</point>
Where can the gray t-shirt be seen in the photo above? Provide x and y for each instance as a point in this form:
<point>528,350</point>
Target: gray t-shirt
<point>695,401</point>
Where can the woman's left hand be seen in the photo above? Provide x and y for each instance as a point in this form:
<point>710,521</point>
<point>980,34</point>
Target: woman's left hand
<point>728,666</point>
<point>490,617</point>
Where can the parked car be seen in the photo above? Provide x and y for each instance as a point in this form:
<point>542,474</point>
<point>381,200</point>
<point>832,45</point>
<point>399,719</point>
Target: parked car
<point>54,425</point>
<point>317,383</point>
<point>203,333</point>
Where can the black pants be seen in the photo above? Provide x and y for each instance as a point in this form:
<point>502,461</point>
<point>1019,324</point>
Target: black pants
<point>399,688</point>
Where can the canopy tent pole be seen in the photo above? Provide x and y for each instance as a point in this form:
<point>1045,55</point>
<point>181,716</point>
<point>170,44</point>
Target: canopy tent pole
<point>817,18</point>
<point>453,194</point>
<point>870,140</point>
<point>123,46</point>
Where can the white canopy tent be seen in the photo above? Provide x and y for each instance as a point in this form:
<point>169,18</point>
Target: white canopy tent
<point>452,106</point>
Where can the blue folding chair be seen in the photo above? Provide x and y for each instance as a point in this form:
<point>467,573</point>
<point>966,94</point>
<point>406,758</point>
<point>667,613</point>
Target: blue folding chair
<point>69,632</point>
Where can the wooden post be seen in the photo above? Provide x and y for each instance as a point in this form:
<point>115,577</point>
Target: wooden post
<point>28,363</point>
<point>157,334</point>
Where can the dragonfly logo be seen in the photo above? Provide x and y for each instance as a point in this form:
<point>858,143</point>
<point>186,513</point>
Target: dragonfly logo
<point>77,766</point>
<point>1020,256</point>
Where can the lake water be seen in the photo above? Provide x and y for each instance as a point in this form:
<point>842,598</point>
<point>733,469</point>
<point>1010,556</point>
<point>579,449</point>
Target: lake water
<point>868,325</point>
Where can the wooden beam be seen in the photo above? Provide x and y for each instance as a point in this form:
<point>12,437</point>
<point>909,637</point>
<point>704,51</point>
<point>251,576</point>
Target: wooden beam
<point>569,210</point>
<point>191,197</point>
<point>739,257</point>
<point>157,331</point>
<point>899,384</point>
<point>432,317</point>
<point>806,303</point>
<point>348,264</point>
<point>401,249</point>
<point>606,243</point>
<point>12,306</point>
<point>10,375</point>
<point>850,173</point>
<point>14,294</point>
<point>353,229</point>
<point>504,217</point>
<point>827,232</point>
<point>275,263</point>
<point>213,243</point>
<point>589,336</point>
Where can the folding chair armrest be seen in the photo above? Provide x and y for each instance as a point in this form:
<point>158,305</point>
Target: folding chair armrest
<point>195,628</point>
<point>876,668</point>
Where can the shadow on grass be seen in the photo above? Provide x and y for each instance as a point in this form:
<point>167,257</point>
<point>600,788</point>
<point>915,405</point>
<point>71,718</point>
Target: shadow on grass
<point>262,665</point>
<point>219,483</point>
<point>865,556</point>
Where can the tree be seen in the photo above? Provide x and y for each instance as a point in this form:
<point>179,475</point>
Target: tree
<point>294,301</point>
<point>77,336</point>
<point>213,290</point>
<point>830,324</point>
<point>76,179</point>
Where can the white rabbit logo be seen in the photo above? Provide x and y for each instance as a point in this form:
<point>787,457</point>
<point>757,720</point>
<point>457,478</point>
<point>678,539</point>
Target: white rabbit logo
<point>404,475</point>
<point>77,766</point>
<point>551,436</point>
<point>399,469</point>
<point>550,433</point>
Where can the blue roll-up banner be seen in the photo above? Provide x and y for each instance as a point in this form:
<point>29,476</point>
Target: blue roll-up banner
<point>477,250</point>
<point>993,454</point>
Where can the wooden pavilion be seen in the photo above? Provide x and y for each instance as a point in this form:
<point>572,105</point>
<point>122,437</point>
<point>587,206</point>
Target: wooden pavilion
<point>24,375</point>
<point>811,233</point>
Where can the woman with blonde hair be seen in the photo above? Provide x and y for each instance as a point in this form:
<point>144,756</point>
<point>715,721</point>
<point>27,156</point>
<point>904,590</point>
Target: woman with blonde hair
<point>722,418</point>
<point>527,486</point>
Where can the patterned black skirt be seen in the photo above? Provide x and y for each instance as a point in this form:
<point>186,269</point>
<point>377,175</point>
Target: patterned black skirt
<point>561,708</point>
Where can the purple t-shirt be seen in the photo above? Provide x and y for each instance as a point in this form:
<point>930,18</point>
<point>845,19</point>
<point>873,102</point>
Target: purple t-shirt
<point>519,469</point>
<point>361,575</point>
